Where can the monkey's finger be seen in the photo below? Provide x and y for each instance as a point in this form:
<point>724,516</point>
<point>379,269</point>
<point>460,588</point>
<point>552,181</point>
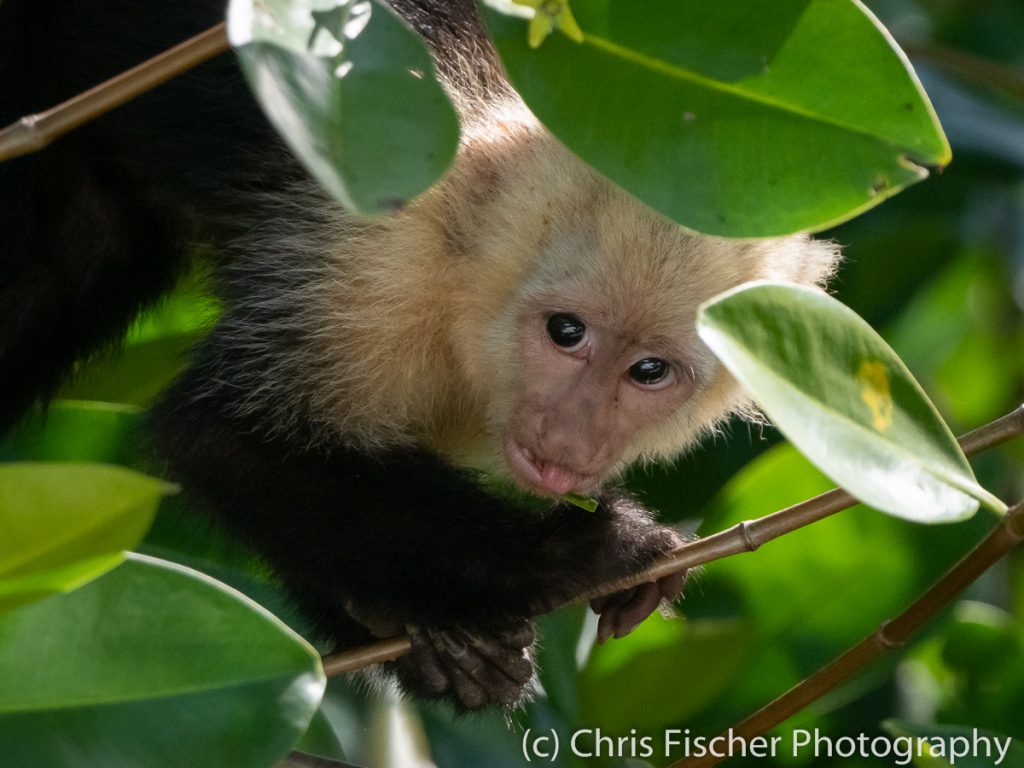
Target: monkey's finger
<point>493,675</point>
<point>483,660</point>
<point>513,662</point>
<point>672,585</point>
<point>610,607</point>
<point>453,653</point>
<point>518,635</point>
<point>598,604</point>
<point>608,602</point>
<point>639,606</point>
<point>425,664</point>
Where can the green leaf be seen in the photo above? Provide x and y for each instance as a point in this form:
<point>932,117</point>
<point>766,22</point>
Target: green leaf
<point>320,739</point>
<point>65,524</point>
<point>844,398</point>
<point>668,669</point>
<point>558,660</point>
<point>350,89</point>
<point>152,665</point>
<point>75,431</point>
<point>134,374</point>
<point>959,745</point>
<point>739,117</point>
<point>586,503</point>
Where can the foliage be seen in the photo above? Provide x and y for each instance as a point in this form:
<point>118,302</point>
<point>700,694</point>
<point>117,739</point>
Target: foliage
<point>732,118</point>
<point>347,86</point>
<point>143,681</point>
<point>157,665</point>
<point>842,396</point>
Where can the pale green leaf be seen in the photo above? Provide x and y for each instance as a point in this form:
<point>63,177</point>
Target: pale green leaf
<point>350,88</point>
<point>62,525</point>
<point>842,396</point>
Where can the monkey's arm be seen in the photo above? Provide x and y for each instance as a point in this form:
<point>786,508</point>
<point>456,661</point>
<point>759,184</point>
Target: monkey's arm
<point>400,539</point>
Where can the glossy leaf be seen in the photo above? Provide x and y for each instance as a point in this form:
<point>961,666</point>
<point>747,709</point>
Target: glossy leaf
<point>350,89</point>
<point>736,117</point>
<point>844,398</point>
<point>65,524</point>
<point>156,666</point>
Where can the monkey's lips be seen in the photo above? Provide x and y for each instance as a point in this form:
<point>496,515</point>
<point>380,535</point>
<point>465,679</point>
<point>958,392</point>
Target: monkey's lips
<point>541,476</point>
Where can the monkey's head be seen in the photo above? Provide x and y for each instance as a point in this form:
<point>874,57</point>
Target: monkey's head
<point>576,333</point>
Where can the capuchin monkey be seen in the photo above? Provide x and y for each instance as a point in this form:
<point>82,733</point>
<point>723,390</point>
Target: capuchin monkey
<point>525,320</point>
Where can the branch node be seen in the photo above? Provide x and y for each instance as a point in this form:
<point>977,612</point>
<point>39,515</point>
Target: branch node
<point>883,639</point>
<point>750,541</point>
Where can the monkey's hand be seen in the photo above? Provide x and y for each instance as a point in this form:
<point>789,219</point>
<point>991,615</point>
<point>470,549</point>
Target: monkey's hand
<point>616,541</point>
<point>621,612</point>
<point>472,669</point>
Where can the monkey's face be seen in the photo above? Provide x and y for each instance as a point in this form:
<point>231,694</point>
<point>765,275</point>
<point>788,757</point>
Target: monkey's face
<point>574,329</point>
<point>590,387</point>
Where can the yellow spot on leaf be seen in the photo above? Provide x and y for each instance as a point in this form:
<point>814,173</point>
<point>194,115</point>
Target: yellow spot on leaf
<point>551,15</point>
<point>874,391</point>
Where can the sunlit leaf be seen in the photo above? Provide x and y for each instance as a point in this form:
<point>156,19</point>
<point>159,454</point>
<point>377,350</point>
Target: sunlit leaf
<point>351,90</point>
<point>155,666</point>
<point>738,117</point>
<point>844,398</point>
<point>62,525</point>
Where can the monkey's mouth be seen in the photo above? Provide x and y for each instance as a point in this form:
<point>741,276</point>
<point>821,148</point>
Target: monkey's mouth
<point>546,478</point>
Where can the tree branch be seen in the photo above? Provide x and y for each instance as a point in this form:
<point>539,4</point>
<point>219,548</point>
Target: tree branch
<point>742,537</point>
<point>34,132</point>
<point>981,71</point>
<point>891,634</point>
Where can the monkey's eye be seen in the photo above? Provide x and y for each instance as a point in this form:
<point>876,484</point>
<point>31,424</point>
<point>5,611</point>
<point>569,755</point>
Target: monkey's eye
<point>651,372</point>
<point>567,331</point>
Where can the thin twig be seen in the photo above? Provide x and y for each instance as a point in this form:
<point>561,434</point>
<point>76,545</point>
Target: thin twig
<point>742,537</point>
<point>979,70</point>
<point>367,655</point>
<point>303,760</point>
<point>891,634</point>
<point>34,132</point>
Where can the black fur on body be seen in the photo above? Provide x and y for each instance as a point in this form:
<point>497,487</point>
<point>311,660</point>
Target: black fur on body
<point>370,541</point>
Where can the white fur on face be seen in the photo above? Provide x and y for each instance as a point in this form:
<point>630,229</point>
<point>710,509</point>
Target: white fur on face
<point>428,326</point>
